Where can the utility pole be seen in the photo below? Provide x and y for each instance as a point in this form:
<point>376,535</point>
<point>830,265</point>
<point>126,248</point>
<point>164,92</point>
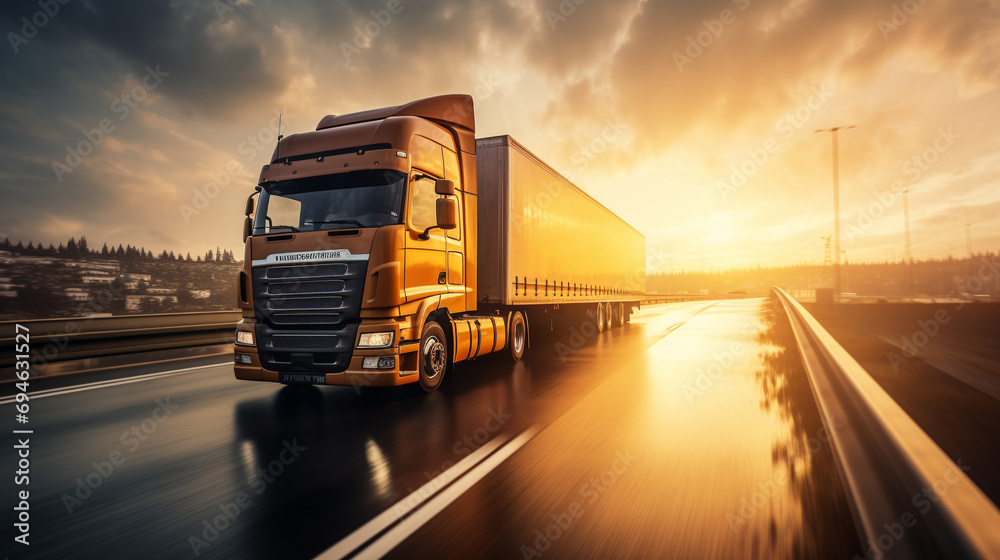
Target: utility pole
<point>906,226</point>
<point>836,209</point>
<point>968,238</point>
<point>846,271</point>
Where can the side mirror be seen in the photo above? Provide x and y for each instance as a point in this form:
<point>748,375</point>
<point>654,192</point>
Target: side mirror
<point>249,208</point>
<point>444,187</point>
<point>247,225</point>
<point>447,212</point>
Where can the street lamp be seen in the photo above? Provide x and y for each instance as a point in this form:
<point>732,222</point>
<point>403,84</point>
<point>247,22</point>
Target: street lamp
<point>968,238</point>
<point>906,221</point>
<point>836,210</point>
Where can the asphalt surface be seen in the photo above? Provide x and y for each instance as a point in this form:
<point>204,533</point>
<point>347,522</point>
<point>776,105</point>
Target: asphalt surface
<point>946,380</point>
<point>689,433</point>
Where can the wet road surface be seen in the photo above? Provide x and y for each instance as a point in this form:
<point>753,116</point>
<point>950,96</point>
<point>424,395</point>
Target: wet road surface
<point>689,433</point>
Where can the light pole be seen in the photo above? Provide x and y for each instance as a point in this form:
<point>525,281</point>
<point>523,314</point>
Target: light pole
<point>836,210</point>
<point>906,226</point>
<point>968,238</point>
<point>846,271</point>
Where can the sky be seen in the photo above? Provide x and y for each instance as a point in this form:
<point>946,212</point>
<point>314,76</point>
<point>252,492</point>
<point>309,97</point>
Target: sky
<point>146,123</point>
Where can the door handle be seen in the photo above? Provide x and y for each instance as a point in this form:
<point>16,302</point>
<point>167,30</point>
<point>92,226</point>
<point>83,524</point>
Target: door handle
<point>442,277</point>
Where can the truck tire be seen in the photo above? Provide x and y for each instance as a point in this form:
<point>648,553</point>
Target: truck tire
<point>609,316</point>
<point>433,356</point>
<point>619,314</point>
<point>517,336</point>
<point>601,318</point>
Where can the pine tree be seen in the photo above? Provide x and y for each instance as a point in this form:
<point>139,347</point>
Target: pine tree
<point>104,250</point>
<point>72,251</point>
<point>84,251</point>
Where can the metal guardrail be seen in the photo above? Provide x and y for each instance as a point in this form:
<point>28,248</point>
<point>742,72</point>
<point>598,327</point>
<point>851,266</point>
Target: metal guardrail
<point>891,468</point>
<point>54,340</point>
<point>672,298</point>
<point>88,337</point>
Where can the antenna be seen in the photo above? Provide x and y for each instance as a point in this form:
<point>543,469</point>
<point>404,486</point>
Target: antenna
<point>277,156</point>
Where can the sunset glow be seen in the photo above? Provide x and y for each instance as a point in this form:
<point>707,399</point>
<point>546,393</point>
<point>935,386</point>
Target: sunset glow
<point>147,124</point>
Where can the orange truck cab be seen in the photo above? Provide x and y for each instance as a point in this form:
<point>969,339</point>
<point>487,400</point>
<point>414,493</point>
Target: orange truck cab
<point>362,246</point>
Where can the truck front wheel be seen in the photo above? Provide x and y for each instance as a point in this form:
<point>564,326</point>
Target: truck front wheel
<point>517,337</point>
<point>433,356</point>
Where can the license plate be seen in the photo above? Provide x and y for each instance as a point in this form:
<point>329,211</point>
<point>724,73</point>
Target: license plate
<point>302,378</point>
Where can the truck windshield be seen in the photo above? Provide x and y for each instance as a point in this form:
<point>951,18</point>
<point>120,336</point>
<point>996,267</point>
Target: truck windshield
<point>369,198</point>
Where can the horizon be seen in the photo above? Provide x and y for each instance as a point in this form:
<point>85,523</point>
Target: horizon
<point>8,244</point>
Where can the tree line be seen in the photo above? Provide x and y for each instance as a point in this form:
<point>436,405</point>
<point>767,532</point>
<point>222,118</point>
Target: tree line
<point>80,249</point>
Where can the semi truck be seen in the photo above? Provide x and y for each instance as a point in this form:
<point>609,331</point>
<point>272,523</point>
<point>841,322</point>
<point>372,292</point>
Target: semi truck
<point>387,246</point>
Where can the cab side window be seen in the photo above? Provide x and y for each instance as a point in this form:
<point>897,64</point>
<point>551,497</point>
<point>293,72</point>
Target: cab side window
<point>423,204</point>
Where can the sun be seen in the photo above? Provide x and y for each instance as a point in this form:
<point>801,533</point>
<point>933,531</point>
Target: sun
<point>721,228</point>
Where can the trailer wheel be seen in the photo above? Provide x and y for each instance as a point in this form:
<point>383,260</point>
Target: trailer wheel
<point>433,356</point>
<point>619,314</point>
<point>517,336</point>
<point>609,316</point>
<point>601,317</point>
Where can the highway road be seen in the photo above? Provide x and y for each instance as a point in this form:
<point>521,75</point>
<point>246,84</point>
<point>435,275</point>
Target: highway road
<point>689,433</point>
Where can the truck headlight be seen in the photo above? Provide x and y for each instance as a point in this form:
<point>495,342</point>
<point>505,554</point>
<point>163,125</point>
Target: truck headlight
<point>244,337</point>
<point>375,340</point>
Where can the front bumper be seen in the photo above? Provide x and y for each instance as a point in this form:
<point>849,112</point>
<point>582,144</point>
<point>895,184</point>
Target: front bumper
<point>404,368</point>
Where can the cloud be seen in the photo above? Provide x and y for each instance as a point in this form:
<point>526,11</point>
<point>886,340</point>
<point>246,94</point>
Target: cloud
<point>649,106</point>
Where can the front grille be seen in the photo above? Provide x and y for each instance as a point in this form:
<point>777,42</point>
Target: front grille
<point>308,315</point>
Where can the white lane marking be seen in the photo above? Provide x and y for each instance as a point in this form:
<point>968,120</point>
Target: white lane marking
<point>110,383</point>
<point>434,505</point>
<point>379,523</point>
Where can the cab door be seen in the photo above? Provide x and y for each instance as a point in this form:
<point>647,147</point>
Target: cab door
<point>455,237</point>
<point>425,269</point>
